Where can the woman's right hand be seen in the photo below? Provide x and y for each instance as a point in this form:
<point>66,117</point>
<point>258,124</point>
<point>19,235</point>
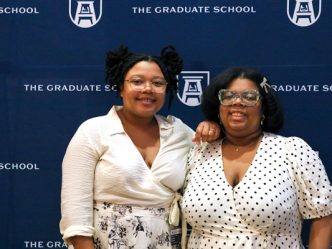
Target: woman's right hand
<point>82,242</point>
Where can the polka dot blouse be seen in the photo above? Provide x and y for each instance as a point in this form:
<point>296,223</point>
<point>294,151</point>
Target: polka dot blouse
<point>285,183</point>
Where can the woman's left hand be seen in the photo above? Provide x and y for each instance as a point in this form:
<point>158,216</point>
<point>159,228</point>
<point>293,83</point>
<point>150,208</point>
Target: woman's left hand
<point>206,131</point>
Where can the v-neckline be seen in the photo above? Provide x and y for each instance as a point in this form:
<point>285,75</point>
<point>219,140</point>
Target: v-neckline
<point>248,171</point>
<point>135,147</point>
<point>139,153</point>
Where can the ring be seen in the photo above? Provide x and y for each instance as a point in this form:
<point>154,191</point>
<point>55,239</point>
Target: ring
<point>213,130</point>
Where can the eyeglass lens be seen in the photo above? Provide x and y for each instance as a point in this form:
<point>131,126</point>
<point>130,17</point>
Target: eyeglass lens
<point>157,85</point>
<point>248,98</point>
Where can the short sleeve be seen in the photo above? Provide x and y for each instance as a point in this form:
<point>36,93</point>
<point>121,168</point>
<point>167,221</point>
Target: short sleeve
<point>314,191</point>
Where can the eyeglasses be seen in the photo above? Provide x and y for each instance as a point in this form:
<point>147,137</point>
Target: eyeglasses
<point>248,98</point>
<point>157,85</point>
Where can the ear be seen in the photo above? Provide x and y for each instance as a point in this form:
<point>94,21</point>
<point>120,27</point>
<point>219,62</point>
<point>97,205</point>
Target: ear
<point>121,91</point>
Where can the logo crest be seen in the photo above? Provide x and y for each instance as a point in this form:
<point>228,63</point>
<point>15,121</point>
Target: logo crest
<point>85,13</point>
<point>190,86</point>
<point>303,13</point>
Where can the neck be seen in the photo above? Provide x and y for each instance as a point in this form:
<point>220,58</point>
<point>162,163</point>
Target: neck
<point>244,142</point>
<point>132,120</point>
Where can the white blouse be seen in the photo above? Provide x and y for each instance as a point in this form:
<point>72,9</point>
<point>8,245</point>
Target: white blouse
<point>102,164</point>
<point>285,183</point>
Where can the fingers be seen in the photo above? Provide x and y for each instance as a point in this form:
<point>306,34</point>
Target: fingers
<point>216,133</point>
<point>212,131</point>
<point>206,131</point>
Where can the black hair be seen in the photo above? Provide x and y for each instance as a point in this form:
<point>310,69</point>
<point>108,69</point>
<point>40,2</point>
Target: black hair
<point>271,107</point>
<point>119,61</point>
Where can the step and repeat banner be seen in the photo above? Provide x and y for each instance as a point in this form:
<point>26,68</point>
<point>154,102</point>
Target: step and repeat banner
<point>52,79</point>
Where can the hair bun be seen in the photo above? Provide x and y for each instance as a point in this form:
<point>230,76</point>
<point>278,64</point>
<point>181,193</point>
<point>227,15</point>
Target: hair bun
<point>171,59</point>
<point>115,59</point>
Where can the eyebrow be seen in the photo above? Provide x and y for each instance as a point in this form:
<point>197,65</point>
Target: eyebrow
<point>243,91</point>
<point>142,76</point>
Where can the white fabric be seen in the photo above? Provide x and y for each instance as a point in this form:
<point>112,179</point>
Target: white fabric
<point>102,164</point>
<point>174,213</point>
<point>285,183</point>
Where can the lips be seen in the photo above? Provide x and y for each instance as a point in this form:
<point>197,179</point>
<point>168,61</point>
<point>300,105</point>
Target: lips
<point>146,101</point>
<point>237,115</point>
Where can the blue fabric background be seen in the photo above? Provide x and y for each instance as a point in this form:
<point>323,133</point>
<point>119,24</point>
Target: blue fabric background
<point>45,48</point>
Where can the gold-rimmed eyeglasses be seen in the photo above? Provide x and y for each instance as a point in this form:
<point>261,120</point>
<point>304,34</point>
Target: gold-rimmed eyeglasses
<point>157,85</point>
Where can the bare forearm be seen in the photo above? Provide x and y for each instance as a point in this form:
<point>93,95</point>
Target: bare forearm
<point>82,242</point>
<point>321,233</point>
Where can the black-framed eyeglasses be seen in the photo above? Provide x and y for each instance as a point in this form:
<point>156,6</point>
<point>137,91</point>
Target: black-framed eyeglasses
<point>248,98</point>
<point>157,85</point>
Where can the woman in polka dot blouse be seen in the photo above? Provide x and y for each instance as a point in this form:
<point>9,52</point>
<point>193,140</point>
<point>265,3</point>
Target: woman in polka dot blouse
<point>253,188</point>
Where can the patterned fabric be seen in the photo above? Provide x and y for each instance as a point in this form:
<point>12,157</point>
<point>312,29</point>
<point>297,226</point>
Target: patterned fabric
<point>127,227</point>
<point>285,183</point>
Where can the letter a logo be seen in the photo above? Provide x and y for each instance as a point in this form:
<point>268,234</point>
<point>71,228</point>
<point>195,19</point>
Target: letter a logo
<point>303,13</point>
<point>191,85</point>
<point>83,14</point>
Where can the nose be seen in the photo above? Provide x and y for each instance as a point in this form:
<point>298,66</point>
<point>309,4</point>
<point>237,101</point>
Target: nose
<point>147,86</point>
<point>237,100</point>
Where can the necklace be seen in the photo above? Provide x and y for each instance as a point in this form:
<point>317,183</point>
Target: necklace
<point>237,146</point>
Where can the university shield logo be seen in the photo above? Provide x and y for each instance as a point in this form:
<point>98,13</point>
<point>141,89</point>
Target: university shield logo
<point>85,13</point>
<point>191,85</point>
<point>303,12</point>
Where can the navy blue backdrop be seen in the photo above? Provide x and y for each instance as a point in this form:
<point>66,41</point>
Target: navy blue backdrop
<point>52,79</point>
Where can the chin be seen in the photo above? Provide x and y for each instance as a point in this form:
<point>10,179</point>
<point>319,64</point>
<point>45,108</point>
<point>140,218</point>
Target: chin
<point>147,112</point>
<point>237,126</point>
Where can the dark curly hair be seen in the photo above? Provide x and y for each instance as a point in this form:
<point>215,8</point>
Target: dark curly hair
<point>119,61</point>
<point>271,108</point>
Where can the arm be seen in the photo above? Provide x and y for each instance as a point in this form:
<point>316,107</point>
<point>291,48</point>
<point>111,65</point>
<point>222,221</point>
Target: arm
<point>77,187</point>
<point>313,189</point>
<point>321,233</point>
<point>82,242</point>
<point>206,131</point>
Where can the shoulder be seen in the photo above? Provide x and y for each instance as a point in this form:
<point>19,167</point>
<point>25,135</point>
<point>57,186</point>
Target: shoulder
<point>296,141</point>
<point>170,119</point>
<point>200,150</point>
<point>275,139</point>
<point>101,126</point>
<point>93,123</point>
<point>300,151</point>
<point>105,123</point>
<point>297,145</point>
<point>173,122</point>
<point>272,137</point>
<point>291,143</point>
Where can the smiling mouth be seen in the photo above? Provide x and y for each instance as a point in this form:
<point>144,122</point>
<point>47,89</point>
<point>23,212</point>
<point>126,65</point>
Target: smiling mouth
<point>237,114</point>
<point>147,100</point>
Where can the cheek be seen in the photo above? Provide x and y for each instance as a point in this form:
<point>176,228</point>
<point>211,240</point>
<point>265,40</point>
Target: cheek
<point>222,114</point>
<point>220,110</point>
<point>257,114</point>
<point>125,91</point>
<point>162,97</point>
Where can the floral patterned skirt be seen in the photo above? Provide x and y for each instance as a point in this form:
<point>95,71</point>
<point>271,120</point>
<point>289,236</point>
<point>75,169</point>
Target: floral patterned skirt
<point>127,227</point>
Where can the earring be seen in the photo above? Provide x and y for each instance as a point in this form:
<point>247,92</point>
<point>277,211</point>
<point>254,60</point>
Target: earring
<point>262,119</point>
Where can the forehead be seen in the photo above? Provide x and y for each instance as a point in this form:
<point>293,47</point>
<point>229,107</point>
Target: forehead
<point>145,68</point>
<point>240,84</point>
